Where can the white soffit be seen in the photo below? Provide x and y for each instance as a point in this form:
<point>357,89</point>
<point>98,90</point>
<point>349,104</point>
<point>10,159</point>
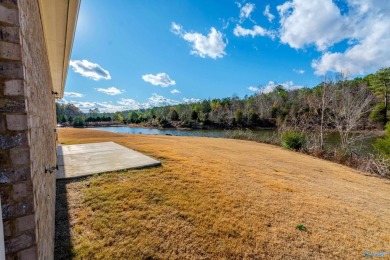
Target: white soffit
<point>59,18</point>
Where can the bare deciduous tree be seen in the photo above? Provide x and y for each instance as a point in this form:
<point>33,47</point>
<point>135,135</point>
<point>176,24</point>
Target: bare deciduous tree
<point>349,103</point>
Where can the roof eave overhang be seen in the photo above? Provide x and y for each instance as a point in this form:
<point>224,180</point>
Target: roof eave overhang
<point>59,19</point>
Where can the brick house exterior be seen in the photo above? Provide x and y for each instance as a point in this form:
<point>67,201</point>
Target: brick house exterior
<point>36,37</point>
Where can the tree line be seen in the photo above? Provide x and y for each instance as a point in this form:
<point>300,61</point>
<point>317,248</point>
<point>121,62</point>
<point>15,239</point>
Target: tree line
<point>335,103</point>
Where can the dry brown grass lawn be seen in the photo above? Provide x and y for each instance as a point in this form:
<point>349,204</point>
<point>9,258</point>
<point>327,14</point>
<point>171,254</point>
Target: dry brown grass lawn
<point>220,199</point>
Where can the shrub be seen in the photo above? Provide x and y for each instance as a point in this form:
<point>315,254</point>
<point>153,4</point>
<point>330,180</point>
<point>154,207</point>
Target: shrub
<point>292,140</point>
<point>375,164</point>
<point>163,122</point>
<point>194,115</point>
<point>382,145</point>
<point>378,113</point>
<point>174,115</point>
<point>78,122</point>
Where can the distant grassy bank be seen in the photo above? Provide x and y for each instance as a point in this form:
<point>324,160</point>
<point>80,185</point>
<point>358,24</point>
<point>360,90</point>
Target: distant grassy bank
<point>220,199</point>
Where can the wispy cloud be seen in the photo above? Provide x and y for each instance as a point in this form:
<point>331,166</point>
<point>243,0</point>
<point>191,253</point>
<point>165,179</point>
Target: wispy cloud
<point>212,45</point>
<point>89,69</point>
<point>161,79</point>
<point>175,91</point>
<point>268,14</point>
<point>87,105</point>
<point>157,100</point>
<point>73,94</point>
<point>177,29</point>
<point>154,100</point>
<point>255,31</point>
<point>246,10</point>
<point>289,85</point>
<point>112,91</point>
<point>129,104</point>
<point>299,71</point>
<point>191,100</point>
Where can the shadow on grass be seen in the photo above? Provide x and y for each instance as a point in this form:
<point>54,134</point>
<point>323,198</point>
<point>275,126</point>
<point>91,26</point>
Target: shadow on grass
<point>63,244</point>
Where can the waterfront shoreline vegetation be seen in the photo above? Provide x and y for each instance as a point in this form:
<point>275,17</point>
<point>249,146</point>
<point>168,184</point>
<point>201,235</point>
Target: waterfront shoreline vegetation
<point>337,104</point>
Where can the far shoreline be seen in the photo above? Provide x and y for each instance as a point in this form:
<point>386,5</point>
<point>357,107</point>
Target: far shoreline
<point>375,132</point>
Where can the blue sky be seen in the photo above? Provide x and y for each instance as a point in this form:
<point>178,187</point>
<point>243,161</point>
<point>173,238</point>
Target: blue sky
<point>143,53</point>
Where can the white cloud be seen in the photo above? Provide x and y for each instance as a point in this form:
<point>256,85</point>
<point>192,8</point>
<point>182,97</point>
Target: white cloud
<point>112,91</point>
<point>370,51</point>
<point>289,85</point>
<point>299,71</point>
<point>191,100</point>
<point>254,89</point>
<point>268,14</point>
<point>153,101</point>
<point>129,104</point>
<point>320,23</point>
<point>157,100</point>
<point>161,79</point>
<point>89,69</point>
<point>176,28</point>
<point>316,22</point>
<point>211,45</point>
<point>246,11</point>
<point>257,30</point>
<point>73,94</point>
<point>175,91</point>
<point>87,105</point>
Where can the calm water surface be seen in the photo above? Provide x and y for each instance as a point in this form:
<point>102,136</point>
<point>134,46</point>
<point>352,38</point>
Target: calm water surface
<point>332,139</point>
<point>152,131</point>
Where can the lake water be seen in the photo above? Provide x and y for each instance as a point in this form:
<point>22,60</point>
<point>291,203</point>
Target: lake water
<point>332,139</point>
<point>153,131</point>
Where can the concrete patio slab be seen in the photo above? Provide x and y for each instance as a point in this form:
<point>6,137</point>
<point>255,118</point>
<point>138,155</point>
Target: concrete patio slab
<point>87,159</point>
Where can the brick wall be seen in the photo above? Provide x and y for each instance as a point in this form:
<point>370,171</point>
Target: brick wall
<point>27,138</point>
